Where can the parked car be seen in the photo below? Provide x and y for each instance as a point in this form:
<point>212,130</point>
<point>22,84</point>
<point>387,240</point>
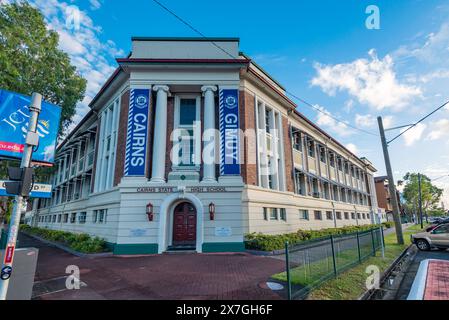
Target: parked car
<point>438,238</point>
<point>437,222</point>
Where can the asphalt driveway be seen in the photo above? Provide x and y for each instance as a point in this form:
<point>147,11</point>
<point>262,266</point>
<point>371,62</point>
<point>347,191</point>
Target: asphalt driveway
<point>231,276</point>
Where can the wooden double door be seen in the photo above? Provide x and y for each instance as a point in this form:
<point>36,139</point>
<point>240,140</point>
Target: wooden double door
<point>184,225</point>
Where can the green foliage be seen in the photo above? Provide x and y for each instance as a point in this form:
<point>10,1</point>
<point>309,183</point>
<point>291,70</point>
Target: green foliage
<point>431,194</point>
<point>30,60</point>
<point>267,242</point>
<point>79,242</point>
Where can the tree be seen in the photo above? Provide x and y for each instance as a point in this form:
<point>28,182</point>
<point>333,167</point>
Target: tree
<point>431,194</point>
<point>30,60</point>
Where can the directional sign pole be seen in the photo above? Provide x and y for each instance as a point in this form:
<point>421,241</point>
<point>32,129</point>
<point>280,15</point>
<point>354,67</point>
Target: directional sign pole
<point>31,141</point>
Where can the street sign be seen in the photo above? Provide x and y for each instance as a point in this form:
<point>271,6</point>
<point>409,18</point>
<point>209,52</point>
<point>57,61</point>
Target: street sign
<point>14,117</point>
<point>39,190</point>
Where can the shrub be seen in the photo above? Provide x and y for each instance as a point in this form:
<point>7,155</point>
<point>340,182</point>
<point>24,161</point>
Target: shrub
<point>81,242</point>
<point>266,242</point>
<point>388,224</point>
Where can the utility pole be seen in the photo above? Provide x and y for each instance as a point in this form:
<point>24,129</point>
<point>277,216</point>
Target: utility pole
<point>391,186</point>
<point>420,200</point>
<point>32,139</point>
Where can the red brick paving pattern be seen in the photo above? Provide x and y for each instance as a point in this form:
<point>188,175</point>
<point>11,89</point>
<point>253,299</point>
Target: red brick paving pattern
<point>437,285</point>
<point>233,276</point>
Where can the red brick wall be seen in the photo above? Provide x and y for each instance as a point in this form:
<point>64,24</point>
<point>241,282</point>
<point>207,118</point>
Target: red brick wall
<point>248,145</point>
<point>121,138</point>
<point>289,182</point>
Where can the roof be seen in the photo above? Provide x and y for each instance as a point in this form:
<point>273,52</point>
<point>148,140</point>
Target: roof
<point>202,39</point>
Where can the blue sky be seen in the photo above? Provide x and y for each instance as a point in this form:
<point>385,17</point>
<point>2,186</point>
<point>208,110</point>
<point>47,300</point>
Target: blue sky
<point>320,50</point>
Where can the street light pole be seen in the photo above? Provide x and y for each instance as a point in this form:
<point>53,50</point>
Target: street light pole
<point>391,186</point>
<point>31,141</point>
<point>420,200</point>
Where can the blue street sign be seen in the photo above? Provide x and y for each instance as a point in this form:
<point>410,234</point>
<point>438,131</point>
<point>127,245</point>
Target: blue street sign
<point>39,190</point>
<point>14,115</point>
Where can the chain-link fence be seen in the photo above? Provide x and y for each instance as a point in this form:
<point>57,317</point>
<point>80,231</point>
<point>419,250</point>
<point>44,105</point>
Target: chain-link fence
<point>310,264</point>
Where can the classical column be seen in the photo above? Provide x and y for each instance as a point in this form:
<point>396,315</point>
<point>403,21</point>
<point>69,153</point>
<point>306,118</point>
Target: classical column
<point>160,134</point>
<point>209,127</point>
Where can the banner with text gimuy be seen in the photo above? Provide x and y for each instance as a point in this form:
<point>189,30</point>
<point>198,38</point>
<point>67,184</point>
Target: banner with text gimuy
<point>229,132</point>
<point>137,134</point>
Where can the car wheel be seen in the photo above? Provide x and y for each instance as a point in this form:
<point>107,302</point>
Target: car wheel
<point>422,245</point>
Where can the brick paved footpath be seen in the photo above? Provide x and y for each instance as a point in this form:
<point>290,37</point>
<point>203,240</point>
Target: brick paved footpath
<point>437,283</point>
<point>182,276</point>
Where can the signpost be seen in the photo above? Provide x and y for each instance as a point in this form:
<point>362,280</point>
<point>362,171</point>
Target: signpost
<point>23,135</point>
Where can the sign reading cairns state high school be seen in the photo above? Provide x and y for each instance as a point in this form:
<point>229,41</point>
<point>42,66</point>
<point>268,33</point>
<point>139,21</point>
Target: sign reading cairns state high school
<point>229,132</point>
<point>14,115</point>
<point>136,142</point>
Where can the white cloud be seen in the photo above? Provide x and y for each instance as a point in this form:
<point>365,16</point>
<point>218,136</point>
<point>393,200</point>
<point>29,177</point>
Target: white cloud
<point>326,120</point>
<point>413,135</point>
<point>352,147</point>
<point>371,81</point>
<point>95,4</point>
<point>80,38</point>
<point>370,121</point>
<point>440,129</point>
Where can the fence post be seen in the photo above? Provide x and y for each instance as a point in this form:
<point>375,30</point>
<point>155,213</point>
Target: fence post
<point>287,262</point>
<point>358,247</point>
<point>334,258</point>
<point>382,240</point>
<point>374,244</point>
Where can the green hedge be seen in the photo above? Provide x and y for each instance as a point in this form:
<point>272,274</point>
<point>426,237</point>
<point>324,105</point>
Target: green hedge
<point>79,242</point>
<point>266,242</point>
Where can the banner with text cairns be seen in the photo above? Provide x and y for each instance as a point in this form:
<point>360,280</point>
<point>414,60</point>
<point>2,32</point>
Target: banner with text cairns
<point>137,133</point>
<point>229,132</point>
<point>14,115</point>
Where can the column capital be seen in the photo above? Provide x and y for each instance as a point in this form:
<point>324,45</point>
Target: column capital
<point>209,87</point>
<point>162,87</point>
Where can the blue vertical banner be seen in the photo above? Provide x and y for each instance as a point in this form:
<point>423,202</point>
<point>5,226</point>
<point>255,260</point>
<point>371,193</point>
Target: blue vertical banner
<point>137,132</point>
<point>229,132</point>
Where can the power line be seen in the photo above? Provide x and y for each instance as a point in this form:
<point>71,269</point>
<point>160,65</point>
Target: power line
<point>420,120</point>
<point>235,58</point>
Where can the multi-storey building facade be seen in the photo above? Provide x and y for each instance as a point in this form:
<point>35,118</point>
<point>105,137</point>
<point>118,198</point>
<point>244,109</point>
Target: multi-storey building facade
<point>192,145</point>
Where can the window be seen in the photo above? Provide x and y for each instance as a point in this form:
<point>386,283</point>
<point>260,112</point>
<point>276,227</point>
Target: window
<point>82,217</point>
<point>347,167</point>
<point>441,229</point>
<point>103,216</point>
<point>364,216</point>
<point>352,215</point>
<point>187,117</point>
<point>73,217</point>
<point>329,215</point>
<point>283,214</point>
<point>367,215</point>
<point>273,214</point>
<point>65,218</point>
<point>338,214</point>
<point>339,164</point>
<point>267,120</point>
<point>332,159</point>
<point>322,154</point>
<point>358,215</point>
<point>99,216</point>
<point>300,181</point>
<point>54,218</point>
<point>108,121</point>
<point>346,215</point>
<point>303,215</point>
<point>318,215</point>
<point>296,139</point>
<point>311,147</point>
<point>59,218</point>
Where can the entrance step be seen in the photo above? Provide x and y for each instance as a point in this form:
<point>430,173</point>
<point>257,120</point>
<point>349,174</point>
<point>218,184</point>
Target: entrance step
<point>180,251</point>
